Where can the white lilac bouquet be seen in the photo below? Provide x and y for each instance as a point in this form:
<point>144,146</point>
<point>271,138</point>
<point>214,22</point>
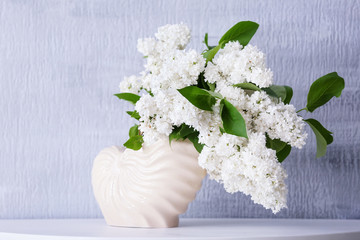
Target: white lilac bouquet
<point>224,101</point>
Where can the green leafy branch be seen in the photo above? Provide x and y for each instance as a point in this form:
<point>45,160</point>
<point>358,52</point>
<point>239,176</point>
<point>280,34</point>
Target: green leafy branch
<point>183,132</point>
<point>324,89</point>
<point>323,136</point>
<point>283,93</point>
<point>204,97</point>
<point>130,97</point>
<point>241,32</point>
<point>233,122</point>
<point>321,91</point>
<point>282,148</point>
<point>135,138</point>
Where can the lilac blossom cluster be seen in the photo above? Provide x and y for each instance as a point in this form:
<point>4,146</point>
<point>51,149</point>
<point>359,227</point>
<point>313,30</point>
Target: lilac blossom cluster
<point>240,164</point>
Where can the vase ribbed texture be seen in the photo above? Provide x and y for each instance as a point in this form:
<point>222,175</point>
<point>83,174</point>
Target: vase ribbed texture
<point>149,187</point>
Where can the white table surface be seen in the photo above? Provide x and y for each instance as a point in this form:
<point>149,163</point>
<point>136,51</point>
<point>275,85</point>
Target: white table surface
<point>96,229</point>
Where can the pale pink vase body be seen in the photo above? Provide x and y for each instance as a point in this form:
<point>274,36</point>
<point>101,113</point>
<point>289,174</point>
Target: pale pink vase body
<point>149,187</point>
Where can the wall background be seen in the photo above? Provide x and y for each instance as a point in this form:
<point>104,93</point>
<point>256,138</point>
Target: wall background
<point>61,61</point>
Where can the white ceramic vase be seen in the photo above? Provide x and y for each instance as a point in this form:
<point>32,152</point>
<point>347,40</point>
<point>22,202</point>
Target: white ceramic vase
<point>149,187</point>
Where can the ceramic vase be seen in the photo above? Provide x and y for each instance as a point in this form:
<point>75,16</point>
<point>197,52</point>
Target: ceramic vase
<point>149,187</point>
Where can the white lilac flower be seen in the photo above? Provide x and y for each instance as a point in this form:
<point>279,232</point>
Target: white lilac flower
<point>237,65</point>
<point>174,36</point>
<point>240,164</point>
<point>130,84</point>
<point>180,69</point>
<point>167,64</point>
<point>146,46</point>
<point>255,171</point>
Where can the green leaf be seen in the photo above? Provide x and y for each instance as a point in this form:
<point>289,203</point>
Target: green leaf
<point>282,148</point>
<point>206,40</point>
<point>323,136</point>
<point>133,98</point>
<point>323,89</point>
<point>275,144</point>
<point>210,54</point>
<point>215,94</point>
<point>134,142</point>
<point>289,94</point>
<point>222,130</point>
<point>241,32</point>
<point>194,138</point>
<point>134,114</point>
<point>201,83</point>
<point>200,98</point>
<point>233,122</point>
<point>186,132</point>
<point>285,93</point>
<point>134,130</point>
<point>181,132</point>
<point>174,135</point>
<point>283,153</point>
<point>247,86</point>
<point>212,86</point>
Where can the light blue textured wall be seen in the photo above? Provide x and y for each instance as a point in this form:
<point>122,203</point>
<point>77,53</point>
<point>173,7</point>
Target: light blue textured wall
<point>61,61</point>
